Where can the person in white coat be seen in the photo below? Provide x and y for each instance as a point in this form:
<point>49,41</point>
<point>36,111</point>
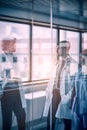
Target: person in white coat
<point>59,95</point>
<point>12,99</point>
<point>64,110</point>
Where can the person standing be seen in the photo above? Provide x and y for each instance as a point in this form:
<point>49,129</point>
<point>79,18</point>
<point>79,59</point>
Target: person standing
<point>58,97</point>
<point>64,109</point>
<point>79,95</point>
<point>12,99</point>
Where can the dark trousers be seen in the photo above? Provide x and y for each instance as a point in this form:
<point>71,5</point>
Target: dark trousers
<point>55,101</point>
<point>80,121</point>
<point>11,102</point>
<point>67,124</point>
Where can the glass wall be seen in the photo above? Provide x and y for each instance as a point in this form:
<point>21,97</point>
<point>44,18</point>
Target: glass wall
<point>32,57</point>
<point>43,50</point>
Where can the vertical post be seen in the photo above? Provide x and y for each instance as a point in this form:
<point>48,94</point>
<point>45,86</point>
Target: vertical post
<point>51,27</point>
<point>31,58</point>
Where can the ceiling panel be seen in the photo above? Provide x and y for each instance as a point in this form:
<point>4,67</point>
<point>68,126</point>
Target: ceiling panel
<point>73,7</point>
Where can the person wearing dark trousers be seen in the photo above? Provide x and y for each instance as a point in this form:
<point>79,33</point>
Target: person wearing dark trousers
<point>64,110</point>
<point>54,96</point>
<point>55,101</point>
<point>11,102</point>
<point>67,124</point>
<point>58,92</point>
<point>79,95</point>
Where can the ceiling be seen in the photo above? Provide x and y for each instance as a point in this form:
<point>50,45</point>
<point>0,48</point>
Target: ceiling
<point>65,8</point>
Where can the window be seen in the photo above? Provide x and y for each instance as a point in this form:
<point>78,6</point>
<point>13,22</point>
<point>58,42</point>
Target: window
<point>44,41</point>
<point>43,52</point>
<point>84,48</point>
<point>84,42</point>
<point>17,61</point>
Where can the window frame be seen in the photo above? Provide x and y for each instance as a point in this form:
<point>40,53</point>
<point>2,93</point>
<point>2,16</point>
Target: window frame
<point>23,21</point>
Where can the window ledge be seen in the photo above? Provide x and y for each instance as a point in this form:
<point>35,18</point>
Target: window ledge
<point>35,95</point>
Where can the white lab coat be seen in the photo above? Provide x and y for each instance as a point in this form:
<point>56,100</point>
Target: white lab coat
<point>63,108</point>
<point>49,89</point>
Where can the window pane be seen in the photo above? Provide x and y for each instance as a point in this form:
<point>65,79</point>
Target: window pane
<point>73,38</point>
<point>16,61</point>
<point>84,44</point>
<point>42,50</point>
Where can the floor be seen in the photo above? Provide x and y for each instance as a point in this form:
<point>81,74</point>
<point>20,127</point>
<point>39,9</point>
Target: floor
<point>58,126</point>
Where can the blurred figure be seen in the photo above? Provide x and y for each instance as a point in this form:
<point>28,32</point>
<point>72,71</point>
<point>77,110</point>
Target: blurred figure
<point>64,109</point>
<point>79,94</point>
<point>13,97</point>
<point>59,90</point>
<point>52,96</point>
